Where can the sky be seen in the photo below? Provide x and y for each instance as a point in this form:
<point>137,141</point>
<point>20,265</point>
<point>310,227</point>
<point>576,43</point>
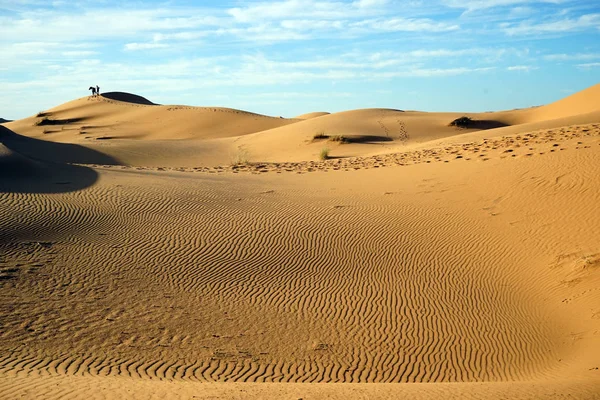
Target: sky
<point>285,58</point>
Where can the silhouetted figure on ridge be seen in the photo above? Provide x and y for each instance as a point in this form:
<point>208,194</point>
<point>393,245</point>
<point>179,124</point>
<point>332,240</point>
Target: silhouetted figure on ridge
<point>93,89</point>
<point>97,90</point>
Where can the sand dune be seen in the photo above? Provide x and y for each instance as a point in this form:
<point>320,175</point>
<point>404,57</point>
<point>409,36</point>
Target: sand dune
<point>124,115</point>
<point>583,102</point>
<point>134,131</point>
<point>465,260</point>
<point>312,115</point>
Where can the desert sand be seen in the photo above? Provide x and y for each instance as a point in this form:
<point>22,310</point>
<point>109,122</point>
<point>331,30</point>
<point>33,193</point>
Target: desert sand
<point>168,251</point>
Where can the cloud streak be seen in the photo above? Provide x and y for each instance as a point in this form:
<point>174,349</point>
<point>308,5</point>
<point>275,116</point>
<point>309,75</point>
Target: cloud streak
<point>564,25</point>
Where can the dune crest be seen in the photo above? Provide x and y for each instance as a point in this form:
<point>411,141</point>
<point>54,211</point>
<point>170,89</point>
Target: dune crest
<point>127,98</point>
<point>312,115</point>
<point>124,126</point>
<point>583,102</point>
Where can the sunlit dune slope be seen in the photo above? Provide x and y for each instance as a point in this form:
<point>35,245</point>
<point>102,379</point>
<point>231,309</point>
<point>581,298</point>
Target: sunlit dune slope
<point>466,274</point>
<point>312,115</point>
<point>419,269</point>
<point>133,130</point>
<point>128,116</point>
<point>583,102</point>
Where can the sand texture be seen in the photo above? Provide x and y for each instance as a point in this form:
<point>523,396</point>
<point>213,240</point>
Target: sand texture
<point>156,251</point>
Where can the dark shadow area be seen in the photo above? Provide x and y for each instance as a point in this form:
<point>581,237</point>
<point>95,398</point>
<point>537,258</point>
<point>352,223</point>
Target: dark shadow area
<point>2,120</point>
<point>19,174</point>
<point>352,138</point>
<point>366,139</point>
<point>128,98</point>
<point>41,150</point>
<point>487,124</point>
<point>468,123</point>
<point>49,121</point>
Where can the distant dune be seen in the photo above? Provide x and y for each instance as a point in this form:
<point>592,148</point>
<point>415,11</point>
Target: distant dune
<point>312,115</point>
<point>168,251</point>
<point>119,123</point>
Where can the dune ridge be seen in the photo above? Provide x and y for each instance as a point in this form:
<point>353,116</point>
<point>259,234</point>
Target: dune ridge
<point>140,133</point>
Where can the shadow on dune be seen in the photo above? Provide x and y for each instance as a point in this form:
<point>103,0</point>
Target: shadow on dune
<point>51,151</point>
<point>127,98</point>
<point>487,124</point>
<point>366,139</point>
<point>20,174</point>
<point>481,124</point>
<point>34,166</point>
<point>49,121</point>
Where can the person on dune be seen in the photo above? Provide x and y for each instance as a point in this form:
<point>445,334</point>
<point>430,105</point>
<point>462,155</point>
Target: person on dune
<point>93,89</point>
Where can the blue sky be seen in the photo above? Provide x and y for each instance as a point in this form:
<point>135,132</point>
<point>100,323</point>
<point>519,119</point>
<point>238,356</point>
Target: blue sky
<point>292,57</point>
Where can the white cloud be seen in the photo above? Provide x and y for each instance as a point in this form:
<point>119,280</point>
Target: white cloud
<point>369,3</point>
<point>79,53</point>
<point>493,53</point>
<point>520,12</point>
<point>307,24</point>
<point>433,72</point>
<point>560,26</point>
<point>22,54</point>
<point>107,23</point>
<point>144,46</point>
<point>474,5</point>
<point>589,65</point>
<point>188,35</point>
<point>309,9</point>
<point>524,68</point>
<point>572,57</point>
<point>406,25</point>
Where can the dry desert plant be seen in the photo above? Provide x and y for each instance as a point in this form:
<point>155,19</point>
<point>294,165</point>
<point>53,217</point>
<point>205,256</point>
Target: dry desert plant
<point>241,157</point>
<point>339,139</point>
<point>462,122</point>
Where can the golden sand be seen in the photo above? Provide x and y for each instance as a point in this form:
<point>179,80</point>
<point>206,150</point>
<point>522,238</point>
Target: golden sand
<point>154,251</point>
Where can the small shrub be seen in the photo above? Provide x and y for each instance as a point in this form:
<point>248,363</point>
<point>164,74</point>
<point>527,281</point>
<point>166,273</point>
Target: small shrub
<point>339,139</point>
<point>320,135</point>
<point>43,121</point>
<point>324,154</point>
<point>242,157</point>
<point>462,122</point>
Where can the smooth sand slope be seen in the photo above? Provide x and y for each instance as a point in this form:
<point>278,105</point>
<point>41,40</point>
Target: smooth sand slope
<point>468,263</point>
